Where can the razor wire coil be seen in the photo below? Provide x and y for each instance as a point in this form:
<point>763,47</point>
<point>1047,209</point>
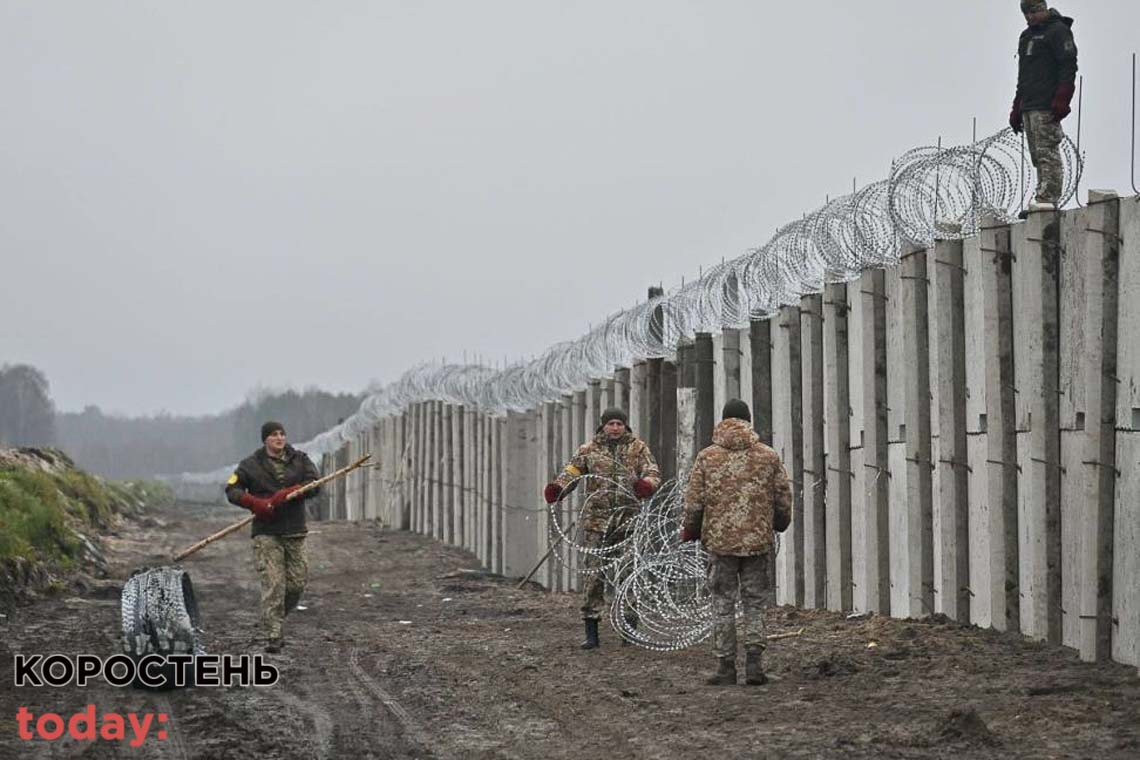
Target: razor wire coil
<point>930,193</point>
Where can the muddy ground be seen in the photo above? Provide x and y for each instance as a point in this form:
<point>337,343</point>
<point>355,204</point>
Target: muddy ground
<point>486,670</point>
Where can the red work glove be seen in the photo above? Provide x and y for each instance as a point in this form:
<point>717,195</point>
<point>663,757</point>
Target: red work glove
<point>1015,116</point>
<point>1061,100</point>
<point>280,497</point>
<point>643,489</point>
<point>262,508</point>
<point>552,492</point>
<point>689,535</point>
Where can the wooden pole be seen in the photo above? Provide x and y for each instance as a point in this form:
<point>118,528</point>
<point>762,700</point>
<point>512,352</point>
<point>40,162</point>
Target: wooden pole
<point>543,558</point>
<point>247,520</point>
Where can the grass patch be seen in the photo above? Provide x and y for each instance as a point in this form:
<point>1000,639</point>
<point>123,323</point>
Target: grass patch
<point>137,495</point>
<point>43,511</point>
<point>36,519</point>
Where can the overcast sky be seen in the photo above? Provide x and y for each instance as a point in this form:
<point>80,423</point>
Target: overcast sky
<point>197,198</point>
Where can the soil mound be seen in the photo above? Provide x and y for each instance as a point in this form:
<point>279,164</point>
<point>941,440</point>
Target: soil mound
<point>964,725</point>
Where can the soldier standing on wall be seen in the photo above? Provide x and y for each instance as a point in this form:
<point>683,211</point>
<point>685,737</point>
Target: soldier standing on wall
<point>738,494</point>
<point>623,472</point>
<point>1046,81</point>
<point>261,484</point>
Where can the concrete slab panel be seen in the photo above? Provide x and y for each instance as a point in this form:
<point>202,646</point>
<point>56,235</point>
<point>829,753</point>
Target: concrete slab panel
<point>874,436</point>
<point>520,458</point>
<point>1100,255</point>
<point>814,448</point>
<point>470,478</point>
<point>565,452</point>
<point>704,359</point>
<point>545,431</point>
<point>746,371</point>
<point>1126,557</point>
<point>593,410</point>
<point>606,397</point>
<point>1035,306</point>
<point>1027,308</point>
<point>666,455</point>
<point>435,458</point>
<point>901,590</point>
<point>855,433</point>
<point>719,379</point>
<point>1128,349</point>
<point>919,499</point>
<point>638,410</point>
<point>1074,491</point>
<point>499,475</point>
<point>1080,346</point>
<point>787,415</point>
<point>950,481</point>
<point>981,605</point>
<point>899,544</point>
<point>994,271</point>
<point>837,443</point>
<point>481,475</point>
<point>973,295</point>
<point>686,429</point>
<point>447,476</point>
<point>1082,281</point>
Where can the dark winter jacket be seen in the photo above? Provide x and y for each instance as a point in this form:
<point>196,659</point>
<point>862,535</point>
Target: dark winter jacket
<point>1047,57</point>
<point>256,475</point>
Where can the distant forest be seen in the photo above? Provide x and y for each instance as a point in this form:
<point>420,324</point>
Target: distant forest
<point>122,448</point>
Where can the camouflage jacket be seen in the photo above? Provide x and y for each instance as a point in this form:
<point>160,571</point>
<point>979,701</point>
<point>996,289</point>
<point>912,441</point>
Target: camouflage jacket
<point>610,500</point>
<point>736,487</point>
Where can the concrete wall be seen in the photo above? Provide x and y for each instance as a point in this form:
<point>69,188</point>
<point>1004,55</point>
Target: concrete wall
<point>962,432</point>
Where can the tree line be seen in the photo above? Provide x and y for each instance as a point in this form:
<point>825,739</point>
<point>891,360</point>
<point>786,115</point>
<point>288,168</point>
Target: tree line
<point>123,448</point>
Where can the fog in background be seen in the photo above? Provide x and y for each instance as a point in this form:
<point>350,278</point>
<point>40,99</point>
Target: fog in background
<point>202,198</point>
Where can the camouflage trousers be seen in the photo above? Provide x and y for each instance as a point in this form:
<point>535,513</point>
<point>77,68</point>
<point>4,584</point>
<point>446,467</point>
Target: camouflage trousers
<point>282,567</point>
<point>594,583</point>
<point>727,575</point>
<point>1043,133</point>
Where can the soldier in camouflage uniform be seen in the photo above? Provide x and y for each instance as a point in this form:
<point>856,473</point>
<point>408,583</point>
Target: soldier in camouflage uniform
<point>261,484</point>
<point>622,472</point>
<point>1046,81</point>
<point>738,494</point>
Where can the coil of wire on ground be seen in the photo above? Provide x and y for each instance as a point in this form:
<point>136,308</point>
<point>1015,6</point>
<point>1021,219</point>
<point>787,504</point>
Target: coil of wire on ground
<point>660,598</point>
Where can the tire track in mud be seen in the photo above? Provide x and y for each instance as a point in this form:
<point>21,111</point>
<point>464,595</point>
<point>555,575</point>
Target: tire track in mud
<point>376,734</point>
<point>173,745</point>
<point>412,730</point>
<point>367,723</point>
<point>323,726</point>
<point>537,722</point>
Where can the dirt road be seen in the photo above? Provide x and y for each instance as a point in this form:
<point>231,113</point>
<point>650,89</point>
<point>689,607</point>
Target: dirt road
<point>398,655</point>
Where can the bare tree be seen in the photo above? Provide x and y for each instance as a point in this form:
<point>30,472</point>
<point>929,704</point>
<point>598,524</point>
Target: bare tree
<point>27,412</point>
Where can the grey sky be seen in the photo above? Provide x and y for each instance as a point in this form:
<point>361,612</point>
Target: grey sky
<point>200,197</point>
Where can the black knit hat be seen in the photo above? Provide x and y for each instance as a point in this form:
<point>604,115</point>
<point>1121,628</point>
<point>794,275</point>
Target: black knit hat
<point>1034,5</point>
<point>614,413</point>
<point>736,409</point>
<point>269,428</point>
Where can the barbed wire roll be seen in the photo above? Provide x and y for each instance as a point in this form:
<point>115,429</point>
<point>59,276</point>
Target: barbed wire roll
<point>930,193</point>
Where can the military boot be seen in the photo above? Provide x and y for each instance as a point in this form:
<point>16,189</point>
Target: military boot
<point>591,641</point>
<point>274,644</point>
<point>725,673</point>
<point>754,669</point>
